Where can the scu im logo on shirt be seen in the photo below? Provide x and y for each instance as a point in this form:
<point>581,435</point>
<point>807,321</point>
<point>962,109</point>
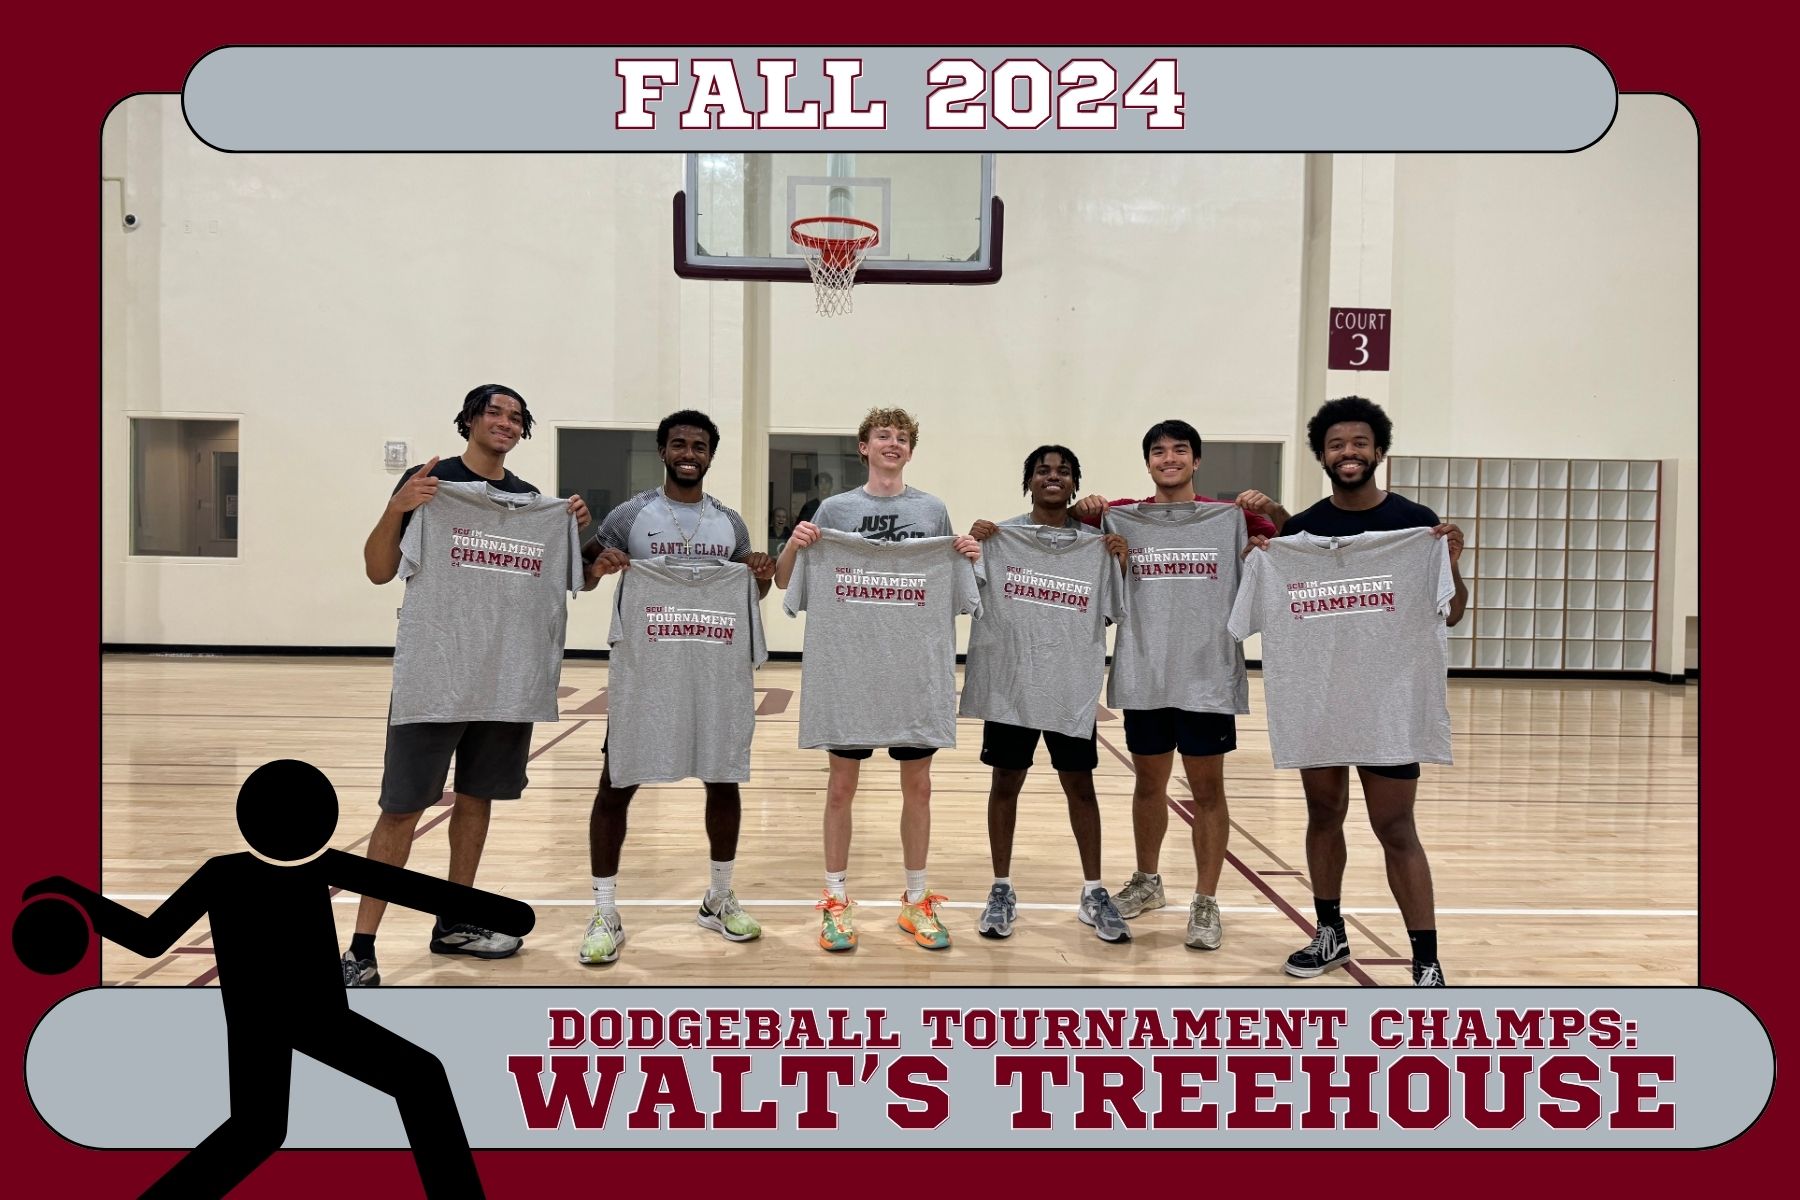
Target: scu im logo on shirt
<point>856,585</point>
<point>1341,597</point>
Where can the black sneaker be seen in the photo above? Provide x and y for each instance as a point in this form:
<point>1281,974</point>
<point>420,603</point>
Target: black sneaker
<point>1428,975</point>
<point>360,972</point>
<point>474,940</point>
<point>1328,949</point>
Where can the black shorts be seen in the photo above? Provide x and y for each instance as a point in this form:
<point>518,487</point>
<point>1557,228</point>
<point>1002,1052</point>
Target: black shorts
<point>490,762</point>
<point>1197,735</point>
<point>1012,747</point>
<point>1402,771</point>
<point>897,753</point>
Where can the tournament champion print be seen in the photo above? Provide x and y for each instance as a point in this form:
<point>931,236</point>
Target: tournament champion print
<point>857,585</point>
<point>1193,562</point>
<point>1341,597</point>
<point>1051,591</point>
<point>665,624</point>
<point>495,552</point>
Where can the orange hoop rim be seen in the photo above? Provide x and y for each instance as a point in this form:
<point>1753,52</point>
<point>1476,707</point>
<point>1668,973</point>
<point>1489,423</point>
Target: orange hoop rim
<point>835,245</point>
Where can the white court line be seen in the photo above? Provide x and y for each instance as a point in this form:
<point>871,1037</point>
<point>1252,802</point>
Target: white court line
<point>1177,909</point>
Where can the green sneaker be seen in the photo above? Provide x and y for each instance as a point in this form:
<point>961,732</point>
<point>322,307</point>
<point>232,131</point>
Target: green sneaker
<point>835,930</point>
<point>921,920</point>
<point>728,917</point>
<point>605,934</point>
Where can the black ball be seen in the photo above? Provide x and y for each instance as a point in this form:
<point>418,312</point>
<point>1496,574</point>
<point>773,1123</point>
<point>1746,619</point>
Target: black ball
<point>50,935</point>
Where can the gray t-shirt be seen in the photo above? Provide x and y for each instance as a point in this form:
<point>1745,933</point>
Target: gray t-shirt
<point>1077,526</point>
<point>879,665</point>
<point>1037,652</point>
<point>650,525</point>
<point>1355,648</point>
<point>1179,585</point>
<point>911,514</point>
<point>481,629</point>
<point>680,698</point>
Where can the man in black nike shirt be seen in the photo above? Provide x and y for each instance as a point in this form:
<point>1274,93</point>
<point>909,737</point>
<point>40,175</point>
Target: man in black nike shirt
<point>1350,437</point>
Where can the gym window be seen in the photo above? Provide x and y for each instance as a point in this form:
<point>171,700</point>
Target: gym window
<point>606,467</point>
<point>804,469</point>
<point>184,487</point>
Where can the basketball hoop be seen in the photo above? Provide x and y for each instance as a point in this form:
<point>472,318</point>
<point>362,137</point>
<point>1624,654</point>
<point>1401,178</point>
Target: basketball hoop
<point>833,254</point>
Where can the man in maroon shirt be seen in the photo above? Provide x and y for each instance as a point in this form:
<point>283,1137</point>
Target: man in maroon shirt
<point>1171,452</point>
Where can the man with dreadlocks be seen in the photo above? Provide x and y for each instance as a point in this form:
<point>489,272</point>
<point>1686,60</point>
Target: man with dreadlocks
<point>490,755</point>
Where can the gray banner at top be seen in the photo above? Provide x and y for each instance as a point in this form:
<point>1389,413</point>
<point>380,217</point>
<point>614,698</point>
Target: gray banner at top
<point>545,98</point>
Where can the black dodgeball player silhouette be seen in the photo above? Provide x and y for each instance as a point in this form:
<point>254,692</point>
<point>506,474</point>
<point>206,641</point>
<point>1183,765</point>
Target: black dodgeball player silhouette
<point>286,994</point>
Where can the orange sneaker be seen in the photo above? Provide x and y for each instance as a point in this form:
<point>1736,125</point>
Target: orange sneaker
<point>921,920</point>
<point>835,930</point>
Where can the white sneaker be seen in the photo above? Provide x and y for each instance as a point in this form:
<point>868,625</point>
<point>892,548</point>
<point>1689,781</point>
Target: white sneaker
<point>605,934</point>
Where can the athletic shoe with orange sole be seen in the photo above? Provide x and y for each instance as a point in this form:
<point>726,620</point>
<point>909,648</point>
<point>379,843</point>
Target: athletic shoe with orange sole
<point>835,930</point>
<point>921,920</point>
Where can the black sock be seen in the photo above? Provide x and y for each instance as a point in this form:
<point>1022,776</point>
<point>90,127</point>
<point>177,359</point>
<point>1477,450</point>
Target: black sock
<point>362,945</point>
<point>1424,945</point>
<point>1329,913</point>
<point>440,927</point>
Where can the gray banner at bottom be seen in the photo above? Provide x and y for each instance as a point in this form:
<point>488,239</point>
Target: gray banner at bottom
<point>565,1068</point>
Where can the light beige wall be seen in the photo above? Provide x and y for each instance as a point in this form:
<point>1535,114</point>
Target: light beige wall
<point>1136,288</point>
<point>329,303</point>
<point>1547,305</point>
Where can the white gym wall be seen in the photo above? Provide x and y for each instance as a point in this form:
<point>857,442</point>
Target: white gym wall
<point>1545,305</point>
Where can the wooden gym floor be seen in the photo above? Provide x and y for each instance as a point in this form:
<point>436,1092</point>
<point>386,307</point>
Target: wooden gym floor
<point>1563,844</point>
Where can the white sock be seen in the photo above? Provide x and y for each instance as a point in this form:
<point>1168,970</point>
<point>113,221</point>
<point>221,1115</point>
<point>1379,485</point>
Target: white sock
<point>836,882</point>
<point>1202,896</point>
<point>1089,886</point>
<point>606,892</point>
<point>915,886</point>
<point>1003,880</point>
<point>721,876</point>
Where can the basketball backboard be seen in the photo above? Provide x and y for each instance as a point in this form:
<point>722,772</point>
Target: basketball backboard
<point>937,214</point>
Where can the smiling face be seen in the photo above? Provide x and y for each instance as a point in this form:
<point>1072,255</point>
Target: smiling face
<point>686,455</point>
<point>887,448</point>
<point>1350,455</point>
<point>499,425</point>
<point>1171,463</point>
<point>1052,482</point>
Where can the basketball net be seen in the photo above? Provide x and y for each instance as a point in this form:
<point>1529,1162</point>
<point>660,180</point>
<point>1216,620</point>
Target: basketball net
<point>834,248</point>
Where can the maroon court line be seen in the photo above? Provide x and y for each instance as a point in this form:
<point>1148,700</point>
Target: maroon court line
<point>1350,968</point>
<point>207,976</point>
<point>1361,928</point>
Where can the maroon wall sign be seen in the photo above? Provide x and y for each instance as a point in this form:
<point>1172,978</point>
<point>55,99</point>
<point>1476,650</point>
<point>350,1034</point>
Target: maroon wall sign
<point>1359,339</point>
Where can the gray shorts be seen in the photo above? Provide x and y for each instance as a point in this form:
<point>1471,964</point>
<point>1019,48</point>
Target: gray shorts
<point>490,762</point>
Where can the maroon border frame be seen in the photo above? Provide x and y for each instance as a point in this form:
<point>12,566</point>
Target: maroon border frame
<point>71,65</point>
